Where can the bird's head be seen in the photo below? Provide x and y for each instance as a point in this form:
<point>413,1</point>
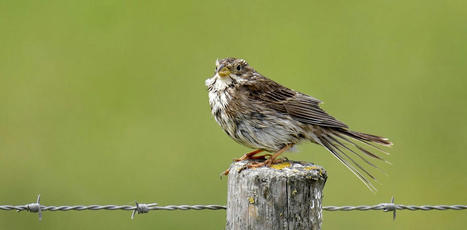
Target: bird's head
<point>233,68</point>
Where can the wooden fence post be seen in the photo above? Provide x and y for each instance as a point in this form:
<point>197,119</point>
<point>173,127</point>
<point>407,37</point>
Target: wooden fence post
<point>287,195</point>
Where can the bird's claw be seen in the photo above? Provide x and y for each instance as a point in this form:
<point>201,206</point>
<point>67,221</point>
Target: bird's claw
<point>265,161</point>
<point>262,157</point>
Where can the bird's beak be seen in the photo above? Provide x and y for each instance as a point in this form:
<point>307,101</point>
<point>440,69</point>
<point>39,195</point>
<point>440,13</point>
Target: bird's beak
<point>223,71</point>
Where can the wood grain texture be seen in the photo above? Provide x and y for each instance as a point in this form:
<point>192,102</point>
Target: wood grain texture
<point>286,196</point>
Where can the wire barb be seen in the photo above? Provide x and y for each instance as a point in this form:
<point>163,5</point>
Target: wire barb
<point>141,208</point>
<point>388,207</point>
<point>34,207</point>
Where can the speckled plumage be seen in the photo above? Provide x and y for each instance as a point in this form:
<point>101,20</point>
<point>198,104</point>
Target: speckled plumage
<point>262,114</point>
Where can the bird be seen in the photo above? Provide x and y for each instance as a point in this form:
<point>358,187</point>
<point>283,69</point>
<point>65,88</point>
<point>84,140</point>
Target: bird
<point>263,115</point>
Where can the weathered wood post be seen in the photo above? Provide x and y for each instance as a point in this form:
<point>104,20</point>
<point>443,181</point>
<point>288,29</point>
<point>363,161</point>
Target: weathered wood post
<point>286,196</point>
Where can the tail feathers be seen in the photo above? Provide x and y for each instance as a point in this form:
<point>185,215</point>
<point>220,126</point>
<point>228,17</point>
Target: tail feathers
<point>367,137</point>
<point>340,141</point>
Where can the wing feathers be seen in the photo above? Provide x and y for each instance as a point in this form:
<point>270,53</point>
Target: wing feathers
<point>299,106</point>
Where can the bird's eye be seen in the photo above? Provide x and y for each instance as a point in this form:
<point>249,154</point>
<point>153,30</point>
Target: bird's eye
<point>238,67</point>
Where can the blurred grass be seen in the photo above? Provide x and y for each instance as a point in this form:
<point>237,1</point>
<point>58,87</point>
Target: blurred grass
<point>104,102</point>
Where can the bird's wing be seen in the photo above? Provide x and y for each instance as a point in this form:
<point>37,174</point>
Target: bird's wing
<point>299,106</point>
<point>333,134</point>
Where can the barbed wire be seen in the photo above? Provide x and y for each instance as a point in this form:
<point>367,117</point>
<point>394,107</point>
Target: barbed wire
<point>141,208</point>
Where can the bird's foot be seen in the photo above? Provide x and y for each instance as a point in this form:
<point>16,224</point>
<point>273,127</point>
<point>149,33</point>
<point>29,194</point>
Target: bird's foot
<point>265,160</point>
<point>261,157</point>
<point>274,159</point>
<point>266,163</point>
<point>254,164</point>
<point>251,156</point>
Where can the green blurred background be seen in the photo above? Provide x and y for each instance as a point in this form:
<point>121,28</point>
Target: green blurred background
<point>104,102</point>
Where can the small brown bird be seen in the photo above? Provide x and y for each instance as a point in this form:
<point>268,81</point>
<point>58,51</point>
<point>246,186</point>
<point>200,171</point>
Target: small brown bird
<point>264,115</point>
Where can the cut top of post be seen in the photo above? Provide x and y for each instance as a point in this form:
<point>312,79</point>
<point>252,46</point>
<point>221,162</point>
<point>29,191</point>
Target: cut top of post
<point>284,169</point>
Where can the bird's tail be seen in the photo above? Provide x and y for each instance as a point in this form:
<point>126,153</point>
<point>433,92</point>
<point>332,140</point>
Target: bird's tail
<point>342,143</point>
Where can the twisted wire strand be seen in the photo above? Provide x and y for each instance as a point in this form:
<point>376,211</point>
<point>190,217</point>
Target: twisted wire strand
<point>95,207</point>
<point>141,208</point>
<point>222,207</point>
<point>396,206</point>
